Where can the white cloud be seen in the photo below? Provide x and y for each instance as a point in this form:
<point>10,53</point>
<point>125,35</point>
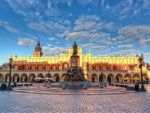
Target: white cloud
<point>26,41</point>
<point>37,9</point>
<point>144,42</point>
<point>146,4</point>
<point>53,51</point>
<point>69,3</point>
<point>23,7</point>
<point>135,30</point>
<point>98,48</point>
<point>84,2</point>
<point>110,26</point>
<point>129,8</point>
<point>41,27</point>
<point>129,52</point>
<point>80,34</point>
<point>133,34</point>
<point>125,46</point>
<point>52,12</point>
<point>102,3</point>
<point>87,36</point>
<point>52,38</point>
<point>89,29</point>
<point>49,27</point>
<point>8,27</point>
<point>87,22</point>
<point>146,54</point>
<point>70,14</point>
<point>86,45</point>
<point>95,48</point>
<point>92,23</point>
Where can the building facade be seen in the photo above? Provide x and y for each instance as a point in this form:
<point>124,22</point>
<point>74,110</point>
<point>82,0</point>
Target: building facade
<point>122,69</point>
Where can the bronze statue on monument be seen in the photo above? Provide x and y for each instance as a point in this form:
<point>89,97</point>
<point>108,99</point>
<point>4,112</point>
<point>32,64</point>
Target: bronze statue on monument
<point>75,72</point>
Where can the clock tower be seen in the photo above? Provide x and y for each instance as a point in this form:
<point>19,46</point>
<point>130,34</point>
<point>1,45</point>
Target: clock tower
<point>38,50</point>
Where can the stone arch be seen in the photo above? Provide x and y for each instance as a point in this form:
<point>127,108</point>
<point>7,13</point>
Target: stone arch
<point>94,77</point>
<point>24,77</point>
<point>110,78</point>
<point>31,77</point>
<point>56,77</point>
<point>87,77</point>
<point>1,77</point>
<point>41,77</point>
<point>119,78</point>
<point>135,78</point>
<point>145,77</point>
<point>127,78</point>
<point>63,76</point>
<point>16,78</point>
<point>7,77</point>
<point>102,77</point>
<point>48,75</point>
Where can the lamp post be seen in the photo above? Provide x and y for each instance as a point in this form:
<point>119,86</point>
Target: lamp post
<point>10,67</point>
<point>140,66</point>
<point>100,77</point>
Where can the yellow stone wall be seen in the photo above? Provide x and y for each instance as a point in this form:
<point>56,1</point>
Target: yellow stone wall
<point>84,58</point>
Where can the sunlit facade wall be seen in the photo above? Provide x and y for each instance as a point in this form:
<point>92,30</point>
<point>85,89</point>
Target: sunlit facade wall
<point>122,69</point>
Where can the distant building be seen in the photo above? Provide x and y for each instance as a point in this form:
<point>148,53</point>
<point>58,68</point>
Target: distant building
<point>122,69</point>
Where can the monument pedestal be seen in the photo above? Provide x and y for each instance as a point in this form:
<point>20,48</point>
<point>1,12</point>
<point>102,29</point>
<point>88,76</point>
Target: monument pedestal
<point>74,76</point>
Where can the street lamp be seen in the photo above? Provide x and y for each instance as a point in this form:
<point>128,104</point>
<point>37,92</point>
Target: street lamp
<point>100,77</point>
<point>140,66</point>
<point>10,67</point>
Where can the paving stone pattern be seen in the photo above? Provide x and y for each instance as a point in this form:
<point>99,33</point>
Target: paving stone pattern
<point>16,102</point>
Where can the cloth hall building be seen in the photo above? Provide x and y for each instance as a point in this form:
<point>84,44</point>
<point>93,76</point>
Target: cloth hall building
<point>122,69</point>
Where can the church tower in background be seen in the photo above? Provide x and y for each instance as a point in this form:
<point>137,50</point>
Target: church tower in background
<point>38,50</point>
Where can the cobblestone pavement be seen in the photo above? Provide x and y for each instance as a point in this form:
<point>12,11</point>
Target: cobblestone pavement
<point>133,102</point>
<point>39,89</point>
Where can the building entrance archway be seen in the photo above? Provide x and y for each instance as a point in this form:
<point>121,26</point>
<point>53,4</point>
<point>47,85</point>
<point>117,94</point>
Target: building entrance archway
<point>7,77</point>
<point>40,78</point>
<point>102,78</point>
<point>57,77</point>
<point>135,78</point>
<point>24,78</point>
<point>31,78</point>
<point>119,78</point>
<point>93,77</point>
<point>127,78</point>
<point>110,78</point>
<point>15,78</point>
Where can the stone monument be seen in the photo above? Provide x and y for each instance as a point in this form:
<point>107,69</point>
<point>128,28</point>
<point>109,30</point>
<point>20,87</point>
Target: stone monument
<point>74,76</point>
<point>75,72</point>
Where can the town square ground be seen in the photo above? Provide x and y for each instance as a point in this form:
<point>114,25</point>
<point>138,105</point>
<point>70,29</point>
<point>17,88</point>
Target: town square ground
<point>38,99</point>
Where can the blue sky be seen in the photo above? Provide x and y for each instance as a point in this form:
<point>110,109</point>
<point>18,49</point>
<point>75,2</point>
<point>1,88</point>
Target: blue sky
<point>106,27</point>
